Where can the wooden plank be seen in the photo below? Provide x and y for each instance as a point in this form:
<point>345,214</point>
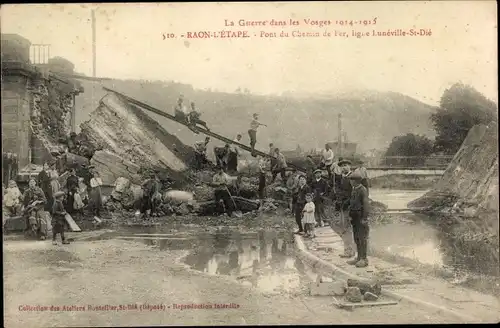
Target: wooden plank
<point>365,304</point>
<point>208,133</point>
<point>72,224</point>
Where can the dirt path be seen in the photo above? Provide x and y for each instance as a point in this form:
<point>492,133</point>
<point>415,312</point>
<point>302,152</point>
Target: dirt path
<point>116,272</point>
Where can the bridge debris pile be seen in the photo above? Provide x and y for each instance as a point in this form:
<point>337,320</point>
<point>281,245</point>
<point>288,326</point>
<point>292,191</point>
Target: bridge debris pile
<point>465,201</point>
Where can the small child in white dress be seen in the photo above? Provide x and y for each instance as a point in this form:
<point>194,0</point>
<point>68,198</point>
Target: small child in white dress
<point>308,220</point>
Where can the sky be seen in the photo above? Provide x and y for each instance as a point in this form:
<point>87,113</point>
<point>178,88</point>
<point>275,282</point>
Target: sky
<point>130,45</point>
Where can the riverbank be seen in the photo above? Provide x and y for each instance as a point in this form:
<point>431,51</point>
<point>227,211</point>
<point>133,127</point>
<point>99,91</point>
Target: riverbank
<point>403,181</point>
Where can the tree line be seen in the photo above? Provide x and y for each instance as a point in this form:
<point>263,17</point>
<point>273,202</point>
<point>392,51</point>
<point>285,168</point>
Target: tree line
<point>460,108</point>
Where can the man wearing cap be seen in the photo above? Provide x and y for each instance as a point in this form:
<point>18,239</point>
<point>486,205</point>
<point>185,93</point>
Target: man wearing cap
<point>361,169</point>
<point>58,218</point>
<point>320,188</point>
<point>340,224</point>
<point>252,132</point>
<point>358,211</point>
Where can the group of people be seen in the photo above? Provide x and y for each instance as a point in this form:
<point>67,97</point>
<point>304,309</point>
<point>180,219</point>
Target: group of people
<point>348,190</point>
<point>46,195</point>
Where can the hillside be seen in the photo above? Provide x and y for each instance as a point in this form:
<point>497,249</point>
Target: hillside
<point>371,119</point>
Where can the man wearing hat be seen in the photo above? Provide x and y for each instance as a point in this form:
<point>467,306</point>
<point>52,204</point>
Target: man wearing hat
<point>340,224</point>
<point>319,187</point>
<point>358,211</point>
<point>58,218</point>
<point>361,169</point>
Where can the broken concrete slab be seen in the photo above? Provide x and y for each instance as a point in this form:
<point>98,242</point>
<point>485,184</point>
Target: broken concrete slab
<point>353,294</point>
<point>128,132</point>
<point>112,166</point>
<point>334,288</point>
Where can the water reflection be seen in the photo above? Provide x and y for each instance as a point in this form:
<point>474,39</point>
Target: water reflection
<point>262,262</point>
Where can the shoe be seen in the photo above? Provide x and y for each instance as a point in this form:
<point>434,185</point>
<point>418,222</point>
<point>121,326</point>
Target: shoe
<point>362,263</point>
<point>346,255</point>
<point>65,242</point>
<point>321,224</point>
<point>353,262</point>
<point>299,232</point>
<point>54,243</point>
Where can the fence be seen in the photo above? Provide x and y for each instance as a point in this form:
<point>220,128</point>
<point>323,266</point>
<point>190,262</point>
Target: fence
<point>39,54</point>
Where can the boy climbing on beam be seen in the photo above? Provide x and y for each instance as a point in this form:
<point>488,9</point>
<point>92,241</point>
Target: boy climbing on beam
<point>254,125</point>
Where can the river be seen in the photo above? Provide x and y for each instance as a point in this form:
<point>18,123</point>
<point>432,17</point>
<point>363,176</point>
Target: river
<point>409,236</point>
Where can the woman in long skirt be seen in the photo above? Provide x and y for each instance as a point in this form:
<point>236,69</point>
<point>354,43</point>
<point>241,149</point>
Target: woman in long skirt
<point>96,194</point>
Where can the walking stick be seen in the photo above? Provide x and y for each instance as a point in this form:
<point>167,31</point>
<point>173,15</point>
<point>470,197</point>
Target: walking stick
<point>236,212</point>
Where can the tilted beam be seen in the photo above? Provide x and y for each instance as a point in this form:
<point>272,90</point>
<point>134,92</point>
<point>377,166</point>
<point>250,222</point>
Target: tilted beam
<point>208,133</point>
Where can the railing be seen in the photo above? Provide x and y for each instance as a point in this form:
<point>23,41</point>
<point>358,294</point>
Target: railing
<point>436,161</point>
<point>39,54</point>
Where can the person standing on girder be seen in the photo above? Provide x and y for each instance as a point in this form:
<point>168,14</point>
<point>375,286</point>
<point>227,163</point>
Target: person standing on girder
<point>252,132</point>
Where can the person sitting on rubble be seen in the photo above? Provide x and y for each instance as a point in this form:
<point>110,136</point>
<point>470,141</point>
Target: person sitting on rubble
<point>200,153</point>
<point>220,182</point>
<point>12,199</point>
<point>194,118</point>
<point>180,111</point>
<point>34,200</point>
<point>221,156</point>
<point>58,218</point>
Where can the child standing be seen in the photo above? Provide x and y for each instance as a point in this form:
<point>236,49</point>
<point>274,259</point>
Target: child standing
<point>308,220</point>
<point>58,218</point>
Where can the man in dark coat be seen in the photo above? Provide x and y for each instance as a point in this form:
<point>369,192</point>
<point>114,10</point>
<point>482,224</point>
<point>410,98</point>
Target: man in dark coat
<point>341,223</point>
<point>358,212</point>
<point>43,181</point>
<point>300,195</point>
<point>58,218</point>
<point>319,187</point>
<point>222,156</point>
<point>72,188</point>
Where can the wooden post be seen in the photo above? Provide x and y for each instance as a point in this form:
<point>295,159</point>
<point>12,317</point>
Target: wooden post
<point>93,44</point>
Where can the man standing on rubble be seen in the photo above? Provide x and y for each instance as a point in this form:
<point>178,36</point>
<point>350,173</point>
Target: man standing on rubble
<point>220,182</point>
<point>341,223</point>
<point>232,164</point>
<point>200,153</point>
<point>252,132</point>
<point>221,156</point>
<point>280,166</point>
<point>262,177</point>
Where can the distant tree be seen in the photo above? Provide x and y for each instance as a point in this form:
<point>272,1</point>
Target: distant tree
<point>246,91</point>
<point>238,90</point>
<point>411,145</point>
<point>461,107</point>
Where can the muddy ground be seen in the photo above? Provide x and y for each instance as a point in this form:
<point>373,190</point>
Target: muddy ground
<point>122,272</point>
